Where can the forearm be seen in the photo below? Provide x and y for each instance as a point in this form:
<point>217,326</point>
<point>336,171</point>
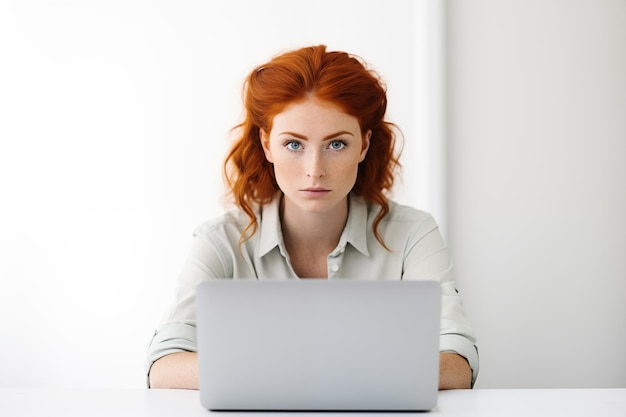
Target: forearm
<point>177,370</point>
<point>454,372</point>
<point>180,370</point>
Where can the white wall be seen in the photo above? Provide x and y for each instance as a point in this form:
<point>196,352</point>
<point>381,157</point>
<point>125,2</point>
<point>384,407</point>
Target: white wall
<point>114,119</point>
<point>537,186</point>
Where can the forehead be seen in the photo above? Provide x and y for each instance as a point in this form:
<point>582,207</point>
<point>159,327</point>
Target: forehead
<point>314,114</point>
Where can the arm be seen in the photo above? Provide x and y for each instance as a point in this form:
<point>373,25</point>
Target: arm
<point>427,258</point>
<point>176,370</point>
<point>454,372</point>
<point>180,370</point>
<point>171,361</point>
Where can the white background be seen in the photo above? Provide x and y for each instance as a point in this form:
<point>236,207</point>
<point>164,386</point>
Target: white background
<point>114,121</point>
<point>537,187</point>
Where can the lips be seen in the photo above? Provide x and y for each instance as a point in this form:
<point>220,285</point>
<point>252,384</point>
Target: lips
<point>314,191</point>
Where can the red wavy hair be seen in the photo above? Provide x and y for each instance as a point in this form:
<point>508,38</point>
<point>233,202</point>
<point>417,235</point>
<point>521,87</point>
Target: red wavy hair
<point>335,77</point>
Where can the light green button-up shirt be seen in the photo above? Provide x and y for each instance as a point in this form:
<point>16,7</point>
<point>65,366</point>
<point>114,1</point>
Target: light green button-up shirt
<point>418,252</point>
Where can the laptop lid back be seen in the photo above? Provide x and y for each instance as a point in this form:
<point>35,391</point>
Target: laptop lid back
<point>318,344</point>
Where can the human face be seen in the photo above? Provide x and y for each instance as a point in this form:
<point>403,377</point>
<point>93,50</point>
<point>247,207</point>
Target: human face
<point>316,149</point>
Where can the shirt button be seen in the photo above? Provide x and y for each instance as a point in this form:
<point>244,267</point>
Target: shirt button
<point>335,268</point>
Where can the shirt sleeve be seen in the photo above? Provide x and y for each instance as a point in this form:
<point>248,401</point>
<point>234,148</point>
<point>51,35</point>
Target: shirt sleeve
<point>426,258</point>
<point>208,259</point>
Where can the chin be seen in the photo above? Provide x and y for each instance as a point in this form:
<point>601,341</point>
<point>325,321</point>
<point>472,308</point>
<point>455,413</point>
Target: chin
<point>317,207</point>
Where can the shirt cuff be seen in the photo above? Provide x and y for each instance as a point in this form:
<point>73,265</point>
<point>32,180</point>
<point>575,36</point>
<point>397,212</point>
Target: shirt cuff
<point>171,338</point>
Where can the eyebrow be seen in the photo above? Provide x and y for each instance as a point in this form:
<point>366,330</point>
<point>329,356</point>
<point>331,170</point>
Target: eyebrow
<point>334,135</point>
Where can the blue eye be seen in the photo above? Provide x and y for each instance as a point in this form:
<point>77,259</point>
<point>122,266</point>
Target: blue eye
<point>293,145</point>
<point>337,145</point>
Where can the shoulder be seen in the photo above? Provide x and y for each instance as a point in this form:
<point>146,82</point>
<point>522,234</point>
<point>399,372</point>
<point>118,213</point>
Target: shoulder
<point>407,214</point>
<point>400,214</point>
<point>403,223</point>
<point>410,230</point>
<point>228,224</point>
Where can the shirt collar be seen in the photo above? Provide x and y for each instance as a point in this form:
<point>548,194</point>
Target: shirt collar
<point>355,232</point>
<point>271,234</point>
<point>357,226</point>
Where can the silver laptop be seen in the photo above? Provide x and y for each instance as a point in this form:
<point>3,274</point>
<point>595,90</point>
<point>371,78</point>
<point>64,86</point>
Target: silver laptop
<point>318,344</point>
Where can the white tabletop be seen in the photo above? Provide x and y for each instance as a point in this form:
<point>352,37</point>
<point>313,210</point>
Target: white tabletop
<point>181,403</point>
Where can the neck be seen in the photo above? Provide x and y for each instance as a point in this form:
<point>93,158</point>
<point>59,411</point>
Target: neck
<point>315,230</point>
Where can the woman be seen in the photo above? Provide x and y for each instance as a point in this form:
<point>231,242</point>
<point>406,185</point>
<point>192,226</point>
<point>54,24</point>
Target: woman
<point>309,175</point>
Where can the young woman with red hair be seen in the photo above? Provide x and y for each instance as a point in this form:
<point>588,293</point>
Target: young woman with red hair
<point>310,173</point>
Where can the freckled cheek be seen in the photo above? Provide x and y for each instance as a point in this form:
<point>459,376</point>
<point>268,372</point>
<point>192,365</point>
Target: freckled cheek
<point>353,175</point>
<point>348,168</point>
<point>285,170</point>
<point>346,174</point>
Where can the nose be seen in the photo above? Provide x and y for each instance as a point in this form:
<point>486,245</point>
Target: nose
<point>315,166</point>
